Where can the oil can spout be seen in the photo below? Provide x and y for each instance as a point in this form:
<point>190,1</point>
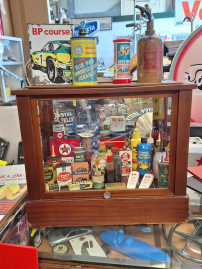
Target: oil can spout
<point>146,11</point>
<point>150,23</point>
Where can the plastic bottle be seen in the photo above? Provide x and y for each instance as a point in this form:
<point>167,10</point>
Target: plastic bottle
<point>117,164</point>
<point>150,140</point>
<point>134,141</point>
<point>109,152</point>
<point>144,156</point>
<point>110,169</point>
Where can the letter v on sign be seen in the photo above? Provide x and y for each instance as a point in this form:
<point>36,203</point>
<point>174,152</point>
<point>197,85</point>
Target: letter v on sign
<point>195,8</point>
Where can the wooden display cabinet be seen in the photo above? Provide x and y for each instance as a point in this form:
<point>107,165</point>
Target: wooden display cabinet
<point>89,207</point>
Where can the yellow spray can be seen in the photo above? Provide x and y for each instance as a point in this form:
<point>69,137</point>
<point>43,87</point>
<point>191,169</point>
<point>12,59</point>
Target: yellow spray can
<point>134,141</point>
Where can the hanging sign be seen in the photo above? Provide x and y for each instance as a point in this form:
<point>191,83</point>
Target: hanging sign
<point>92,26</point>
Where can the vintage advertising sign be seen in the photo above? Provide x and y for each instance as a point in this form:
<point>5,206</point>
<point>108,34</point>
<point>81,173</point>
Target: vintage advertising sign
<point>12,186</point>
<point>185,8</point>
<point>187,67</point>
<point>92,27</point>
<point>50,52</point>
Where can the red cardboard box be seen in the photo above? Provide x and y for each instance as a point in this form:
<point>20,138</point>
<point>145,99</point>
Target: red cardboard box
<point>65,148</point>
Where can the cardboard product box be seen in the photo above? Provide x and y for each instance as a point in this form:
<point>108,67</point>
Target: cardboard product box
<point>78,178</point>
<point>66,116</point>
<point>50,52</point>
<point>65,147</point>
<point>80,168</point>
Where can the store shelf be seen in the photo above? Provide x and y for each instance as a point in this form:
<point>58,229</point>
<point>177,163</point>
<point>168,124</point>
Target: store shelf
<point>12,63</point>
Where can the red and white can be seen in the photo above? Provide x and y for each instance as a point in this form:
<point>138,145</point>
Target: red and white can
<point>58,130</point>
<point>122,61</point>
<point>126,161</point>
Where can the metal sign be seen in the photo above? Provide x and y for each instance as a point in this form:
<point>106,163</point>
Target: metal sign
<point>187,67</point>
<point>92,26</point>
<point>186,9</point>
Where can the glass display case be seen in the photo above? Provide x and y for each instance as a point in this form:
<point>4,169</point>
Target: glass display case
<point>106,154</point>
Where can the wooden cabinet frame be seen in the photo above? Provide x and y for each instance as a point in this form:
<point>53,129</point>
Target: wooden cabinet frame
<point>90,207</point>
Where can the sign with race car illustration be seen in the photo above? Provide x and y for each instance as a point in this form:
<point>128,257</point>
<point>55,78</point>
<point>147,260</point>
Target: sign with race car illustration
<point>50,52</point>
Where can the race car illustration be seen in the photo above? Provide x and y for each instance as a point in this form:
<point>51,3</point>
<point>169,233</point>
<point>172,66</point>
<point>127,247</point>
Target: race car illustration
<point>143,165</point>
<point>124,50</point>
<point>55,60</point>
<point>124,70</point>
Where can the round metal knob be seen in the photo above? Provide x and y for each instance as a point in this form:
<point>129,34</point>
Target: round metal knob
<point>107,195</point>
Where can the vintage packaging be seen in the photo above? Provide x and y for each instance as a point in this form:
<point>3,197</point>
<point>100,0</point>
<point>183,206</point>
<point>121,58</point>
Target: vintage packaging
<point>64,174</point>
<point>53,187</point>
<point>82,185</point>
<point>80,168</point>
<point>48,173</point>
<point>50,51</point>
<point>79,154</point>
<point>53,160</point>
<point>163,174</point>
<point>67,117</point>
<point>116,142</point>
<point>115,186</point>
<point>126,161</point>
<point>65,147</point>
<point>98,181</point>
<point>78,178</point>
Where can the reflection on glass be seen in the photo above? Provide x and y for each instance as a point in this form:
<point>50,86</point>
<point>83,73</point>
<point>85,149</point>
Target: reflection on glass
<point>105,144</point>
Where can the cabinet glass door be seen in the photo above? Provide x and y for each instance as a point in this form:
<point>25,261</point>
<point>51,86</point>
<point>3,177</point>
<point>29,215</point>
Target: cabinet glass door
<point>90,145</point>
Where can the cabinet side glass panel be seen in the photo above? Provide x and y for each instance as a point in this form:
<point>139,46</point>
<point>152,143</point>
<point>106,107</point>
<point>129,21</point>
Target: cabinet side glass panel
<point>112,144</point>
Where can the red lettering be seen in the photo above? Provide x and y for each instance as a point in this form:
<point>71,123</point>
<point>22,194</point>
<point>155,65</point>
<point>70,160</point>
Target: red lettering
<point>40,30</point>
<point>34,31</point>
<point>46,32</point>
<point>67,32</point>
<point>187,12</point>
<point>63,32</point>
<point>51,32</point>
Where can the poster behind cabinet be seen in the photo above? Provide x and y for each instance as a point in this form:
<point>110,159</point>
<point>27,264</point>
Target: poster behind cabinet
<point>50,52</point>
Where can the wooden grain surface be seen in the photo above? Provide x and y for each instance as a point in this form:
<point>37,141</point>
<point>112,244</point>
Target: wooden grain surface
<point>28,143</point>
<point>182,146</point>
<point>101,89</point>
<point>114,211</point>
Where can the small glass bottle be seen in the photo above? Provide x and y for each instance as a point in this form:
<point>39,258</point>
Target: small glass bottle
<point>117,164</point>
<point>93,161</point>
<point>109,152</point>
<point>102,160</point>
<point>110,169</point>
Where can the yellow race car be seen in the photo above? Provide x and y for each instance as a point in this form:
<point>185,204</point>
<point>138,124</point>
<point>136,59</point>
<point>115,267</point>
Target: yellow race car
<point>55,60</point>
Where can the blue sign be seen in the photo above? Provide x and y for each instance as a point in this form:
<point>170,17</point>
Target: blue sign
<point>92,26</point>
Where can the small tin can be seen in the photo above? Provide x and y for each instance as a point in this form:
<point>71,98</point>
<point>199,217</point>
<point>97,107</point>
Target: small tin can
<point>87,141</point>
<point>84,59</point>
<point>98,181</point>
<point>163,174</point>
<point>126,161</point>
<point>79,154</point>
<point>122,61</point>
<point>48,173</point>
<point>64,172</point>
<point>58,130</point>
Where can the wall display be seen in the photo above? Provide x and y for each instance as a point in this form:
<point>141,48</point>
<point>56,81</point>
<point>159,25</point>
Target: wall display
<point>109,157</point>
<point>50,52</point>
<point>187,67</point>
